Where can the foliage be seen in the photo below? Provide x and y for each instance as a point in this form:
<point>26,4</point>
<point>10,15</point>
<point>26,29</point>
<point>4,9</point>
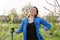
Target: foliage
<point>55,28</point>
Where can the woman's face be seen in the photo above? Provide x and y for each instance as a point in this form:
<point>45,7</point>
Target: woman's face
<point>32,11</point>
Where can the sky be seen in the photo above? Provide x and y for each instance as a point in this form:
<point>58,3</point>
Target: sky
<point>6,5</point>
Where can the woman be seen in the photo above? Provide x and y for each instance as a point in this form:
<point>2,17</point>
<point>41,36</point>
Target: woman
<point>30,26</point>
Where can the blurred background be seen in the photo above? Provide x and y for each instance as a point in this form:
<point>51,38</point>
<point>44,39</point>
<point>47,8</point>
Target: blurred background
<point>13,11</point>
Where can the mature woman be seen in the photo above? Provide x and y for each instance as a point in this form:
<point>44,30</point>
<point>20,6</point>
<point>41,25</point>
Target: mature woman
<point>30,25</point>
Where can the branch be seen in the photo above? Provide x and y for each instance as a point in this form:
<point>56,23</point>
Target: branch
<point>58,3</point>
<point>48,9</point>
<point>50,4</point>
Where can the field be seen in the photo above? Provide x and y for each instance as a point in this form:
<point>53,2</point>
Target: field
<point>6,35</point>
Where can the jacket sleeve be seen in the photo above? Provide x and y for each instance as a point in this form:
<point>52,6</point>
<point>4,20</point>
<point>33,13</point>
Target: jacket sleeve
<point>21,28</point>
<point>46,24</point>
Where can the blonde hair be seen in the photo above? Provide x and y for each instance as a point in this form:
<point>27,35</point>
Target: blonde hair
<point>28,15</point>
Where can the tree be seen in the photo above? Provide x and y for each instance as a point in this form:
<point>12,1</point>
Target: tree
<point>24,11</point>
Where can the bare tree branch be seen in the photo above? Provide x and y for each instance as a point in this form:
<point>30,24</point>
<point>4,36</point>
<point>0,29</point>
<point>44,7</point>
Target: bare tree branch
<point>48,9</point>
<point>58,3</point>
<point>50,3</point>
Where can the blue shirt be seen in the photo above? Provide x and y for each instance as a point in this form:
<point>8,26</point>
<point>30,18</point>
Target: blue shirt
<point>38,21</point>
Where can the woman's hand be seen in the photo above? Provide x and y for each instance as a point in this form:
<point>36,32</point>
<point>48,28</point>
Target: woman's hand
<point>43,30</point>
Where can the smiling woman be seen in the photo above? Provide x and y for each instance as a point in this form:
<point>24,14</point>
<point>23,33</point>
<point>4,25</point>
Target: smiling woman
<point>30,25</point>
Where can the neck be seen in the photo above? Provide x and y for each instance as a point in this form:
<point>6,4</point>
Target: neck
<point>31,16</point>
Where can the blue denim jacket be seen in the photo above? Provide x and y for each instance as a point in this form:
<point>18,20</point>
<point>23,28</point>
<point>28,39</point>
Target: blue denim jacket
<point>38,21</point>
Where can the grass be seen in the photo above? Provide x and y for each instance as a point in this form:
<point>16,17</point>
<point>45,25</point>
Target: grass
<point>5,34</point>
<point>49,37</point>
